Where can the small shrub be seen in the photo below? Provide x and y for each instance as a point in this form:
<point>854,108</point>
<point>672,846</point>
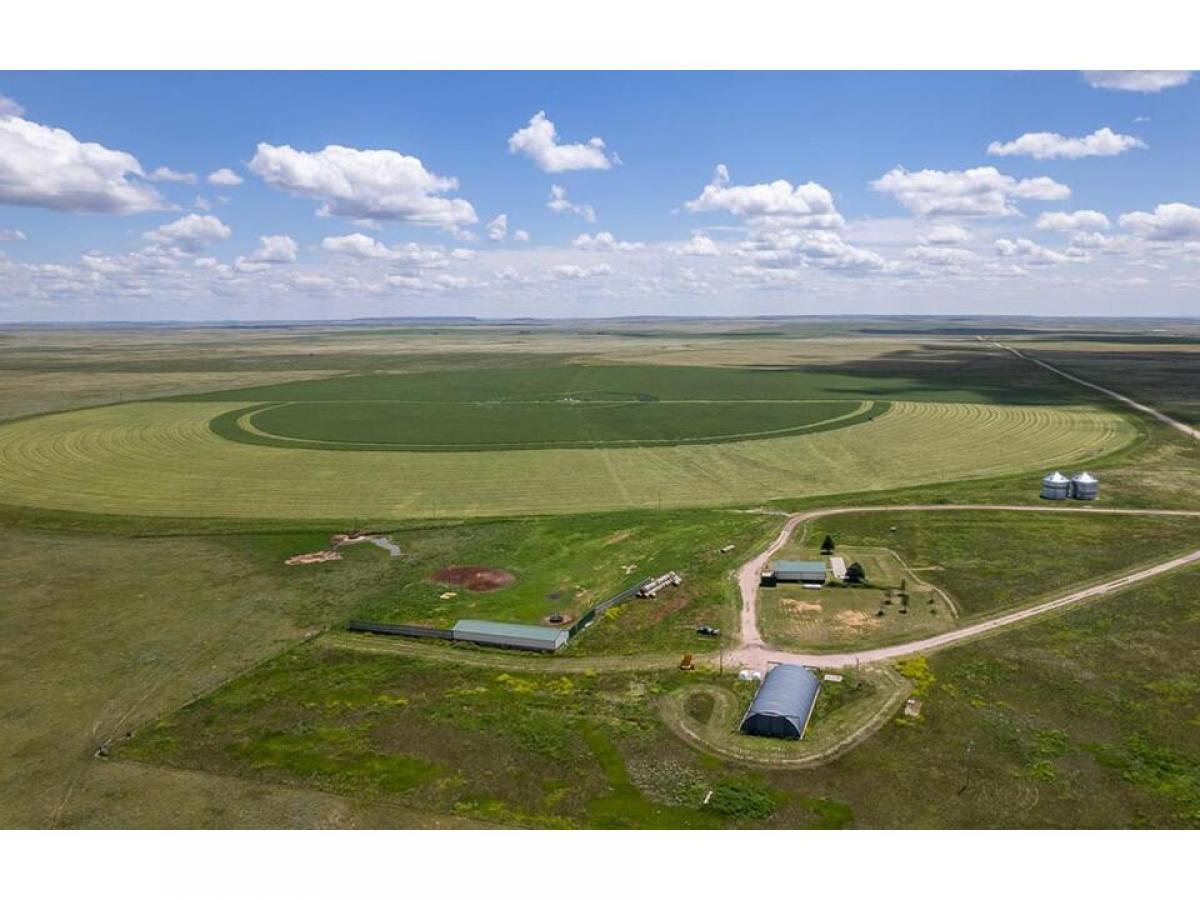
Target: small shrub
<point>741,800</point>
<point>916,669</point>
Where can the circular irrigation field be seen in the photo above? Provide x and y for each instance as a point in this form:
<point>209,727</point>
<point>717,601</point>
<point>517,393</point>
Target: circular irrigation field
<point>543,441</point>
<point>525,424</point>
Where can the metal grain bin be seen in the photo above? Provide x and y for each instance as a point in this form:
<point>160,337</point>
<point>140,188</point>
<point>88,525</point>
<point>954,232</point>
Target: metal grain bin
<point>1056,486</point>
<point>1085,486</point>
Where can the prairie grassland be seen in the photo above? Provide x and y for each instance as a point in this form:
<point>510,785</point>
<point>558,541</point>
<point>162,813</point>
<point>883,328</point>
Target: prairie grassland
<point>1086,720</point>
<point>589,748</point>
<point>162,459</point>
<point>98,634</point>
<point>996,744</point>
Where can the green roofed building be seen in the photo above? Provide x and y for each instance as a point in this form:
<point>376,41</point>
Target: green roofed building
<point>807,572</point>
<point>504,634</point>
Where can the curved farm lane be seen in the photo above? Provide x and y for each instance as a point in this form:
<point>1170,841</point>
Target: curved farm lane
<point>753,652</point>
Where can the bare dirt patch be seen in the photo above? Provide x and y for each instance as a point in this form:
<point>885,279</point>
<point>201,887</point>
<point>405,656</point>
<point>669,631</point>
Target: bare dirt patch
<point>663,609</point>
<point>853,618</point>
<point>616,537</point>
<point>305,559</point>
<point>803,606</point>
<point>474,578</point>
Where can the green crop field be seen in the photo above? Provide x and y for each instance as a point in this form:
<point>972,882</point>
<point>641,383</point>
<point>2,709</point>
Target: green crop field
<point>406,425</point>
<point>164,459</point>
<point>640,382</point>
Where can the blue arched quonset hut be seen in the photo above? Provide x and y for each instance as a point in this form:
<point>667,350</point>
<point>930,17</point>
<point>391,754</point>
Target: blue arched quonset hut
<point>784,703</point>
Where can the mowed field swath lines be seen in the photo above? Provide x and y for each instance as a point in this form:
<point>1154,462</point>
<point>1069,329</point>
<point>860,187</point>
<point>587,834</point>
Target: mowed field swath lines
<point>162,459</point>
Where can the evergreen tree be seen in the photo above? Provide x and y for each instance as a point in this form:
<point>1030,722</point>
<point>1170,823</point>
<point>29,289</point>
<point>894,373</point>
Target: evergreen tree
<point>827,545</point>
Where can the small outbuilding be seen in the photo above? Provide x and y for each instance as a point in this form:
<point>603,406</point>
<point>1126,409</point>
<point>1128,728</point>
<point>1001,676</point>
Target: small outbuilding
<point>784,703</point>
<point>837,565</point>
<point>506,634</point>
<point>1056,486</point>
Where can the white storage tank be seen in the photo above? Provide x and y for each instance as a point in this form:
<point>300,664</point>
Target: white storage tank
<point>1056,486</point>
<point>1085,486</point>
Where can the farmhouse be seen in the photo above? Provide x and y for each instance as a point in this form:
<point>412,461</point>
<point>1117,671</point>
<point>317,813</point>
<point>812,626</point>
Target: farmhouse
<point>505,634</point>
<point>784,703</point>
<point>810,573</point>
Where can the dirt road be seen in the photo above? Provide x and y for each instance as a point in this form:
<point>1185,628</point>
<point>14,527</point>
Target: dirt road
<point>1128,401</point>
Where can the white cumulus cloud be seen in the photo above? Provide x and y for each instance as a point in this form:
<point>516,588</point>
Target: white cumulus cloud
<point>365,184</point>
<point>1029,252</point>
<point>945,235</point>
<point>164,173</point>
<point>10,107</point>
<point>982,191</point>
<point>50,168</point>
<point>521,235</point>
<point>224,178</point>
<point>358,244</point>
<point>570,270</point>
<point>603,241</point>
<point>1049,145</point>
<point>272,250</point>
<point>190,234</point>
<point>1080,220</point>
<point>809,204</point>
<point>539,141</point>
<point>1144,81</point>
<point>941,256</point>
<point>699,245</point>
<point>1168,222</point>
<point>497,229</point>
<point>559,203</point>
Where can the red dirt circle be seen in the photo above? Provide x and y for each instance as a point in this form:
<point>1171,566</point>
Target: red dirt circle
<point>474,578</point>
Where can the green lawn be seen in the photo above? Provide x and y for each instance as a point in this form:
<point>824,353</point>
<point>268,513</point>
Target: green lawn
<point>853,617</point>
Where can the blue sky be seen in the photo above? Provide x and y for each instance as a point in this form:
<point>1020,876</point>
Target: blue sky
<point>839,235</point>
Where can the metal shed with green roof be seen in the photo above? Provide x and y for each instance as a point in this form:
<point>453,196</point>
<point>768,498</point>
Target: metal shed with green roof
<point>506,634</point>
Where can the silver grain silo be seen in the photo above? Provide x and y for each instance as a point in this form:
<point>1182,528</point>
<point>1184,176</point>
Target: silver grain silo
<point>1085,486</point>
<point>1056,486</point>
